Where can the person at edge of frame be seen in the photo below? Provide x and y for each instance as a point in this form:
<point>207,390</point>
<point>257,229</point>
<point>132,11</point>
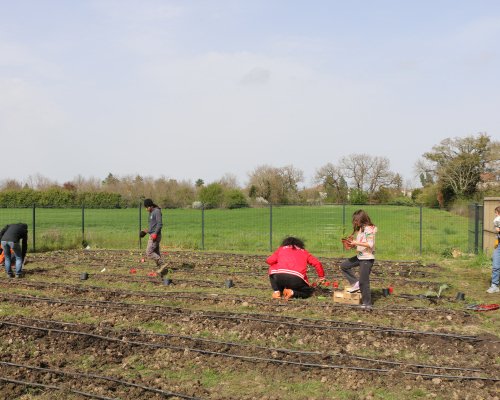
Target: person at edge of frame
<point>14,237</point>
<point>495,266</point>
<point>288,268</point>
<point>2,256</point>
<point>364,243</point>
<point>154,231</point>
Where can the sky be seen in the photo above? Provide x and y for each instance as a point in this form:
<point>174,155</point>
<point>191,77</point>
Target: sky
<point>200,89</point>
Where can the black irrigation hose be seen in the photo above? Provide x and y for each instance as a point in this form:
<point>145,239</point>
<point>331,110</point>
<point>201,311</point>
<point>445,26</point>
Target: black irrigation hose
<point>215,296</point>
<point>240,317</point>
<point>250,358</point>
<point>94,376</point>
<point>40,385</point>
<point>280,350</point>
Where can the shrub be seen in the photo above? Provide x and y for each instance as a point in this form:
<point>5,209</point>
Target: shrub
<point>357,196</point>
<point>429,196</point>
<point>19,198</point>
<point>234,198</point>
<point>212,195</point>
<point>402,201</point>
<point>99,200</point>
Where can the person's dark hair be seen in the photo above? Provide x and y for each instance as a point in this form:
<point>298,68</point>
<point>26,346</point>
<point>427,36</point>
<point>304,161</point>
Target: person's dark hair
<point>497,209</point>
<point>293,241</point>
<point>149,203</point>
<point>360,219</point>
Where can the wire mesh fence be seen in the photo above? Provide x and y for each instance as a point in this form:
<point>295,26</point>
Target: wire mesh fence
<point>403,232</point>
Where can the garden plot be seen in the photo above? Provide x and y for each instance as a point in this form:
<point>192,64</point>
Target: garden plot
<point>122,334</point>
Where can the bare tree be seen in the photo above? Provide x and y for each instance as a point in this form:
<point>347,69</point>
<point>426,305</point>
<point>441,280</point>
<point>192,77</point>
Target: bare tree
<point>10,184</point>
<point>366,172</point>
<point>355,167</point>
<point>277,185</point>
<point>229,181</point>
<point>380,175</point>
<point>332,181</point>
<point>87,184</point>
<point>40,182</point>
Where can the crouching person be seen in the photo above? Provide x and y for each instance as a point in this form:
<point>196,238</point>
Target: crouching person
<point>288,270</point>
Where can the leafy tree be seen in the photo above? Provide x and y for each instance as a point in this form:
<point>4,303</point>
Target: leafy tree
<point>458,164</point>
<point>199,182</point>
<point>110,180</point>
<point>252,192</point>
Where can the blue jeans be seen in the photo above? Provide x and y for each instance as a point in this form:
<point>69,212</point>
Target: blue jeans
<point>495,273</point>
<point>17,253</point>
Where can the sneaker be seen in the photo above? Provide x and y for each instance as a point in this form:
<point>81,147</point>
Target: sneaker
<point>366,307</point>
<point>493,289</point>
<point>354,288</point>
<point>162,271</point>
<point>287,293</point>
<point>10,275</point>
<point>19,276</point>
<point>276,295</point>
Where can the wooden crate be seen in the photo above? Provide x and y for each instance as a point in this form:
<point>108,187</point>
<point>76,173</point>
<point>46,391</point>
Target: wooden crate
<point>345,297</point>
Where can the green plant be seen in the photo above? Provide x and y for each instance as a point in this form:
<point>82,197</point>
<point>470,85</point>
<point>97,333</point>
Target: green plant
<point>437,294</point>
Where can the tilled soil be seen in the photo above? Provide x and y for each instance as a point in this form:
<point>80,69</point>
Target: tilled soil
<point>125,335</point>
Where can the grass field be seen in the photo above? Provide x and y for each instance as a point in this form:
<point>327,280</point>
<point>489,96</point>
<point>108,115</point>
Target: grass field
<point>248,230</point>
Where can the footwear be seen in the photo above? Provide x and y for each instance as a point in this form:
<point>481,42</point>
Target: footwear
<point>18,276</point>
<point>276,295</point>
<point>354,288</point>
<point>493,289</point>
<point>287,293</point>
<point>10,276</point>
<point>163,270</point>
<point>367,307</point>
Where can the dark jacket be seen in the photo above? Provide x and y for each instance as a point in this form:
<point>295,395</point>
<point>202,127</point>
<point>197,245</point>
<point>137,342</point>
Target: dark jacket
<point>15,233</point>
<point>155,221</point>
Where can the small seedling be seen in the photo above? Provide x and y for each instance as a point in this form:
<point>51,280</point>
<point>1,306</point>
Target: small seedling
<point>432,293</point>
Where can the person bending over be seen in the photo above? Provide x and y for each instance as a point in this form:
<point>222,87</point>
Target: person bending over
<point>14,237</point>
<point>288,269</point>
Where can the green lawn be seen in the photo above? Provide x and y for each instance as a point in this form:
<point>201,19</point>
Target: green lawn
<point>249,230</point>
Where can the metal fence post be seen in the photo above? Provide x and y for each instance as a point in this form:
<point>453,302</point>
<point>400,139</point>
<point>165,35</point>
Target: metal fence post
<point>270,227</point>
<point>34,227</point>
<point>140,223</point>
<point>83,225</point>
<point>203,227</point>
<point>476,228</point>
<point>343,216</point>
<point>420,230</point>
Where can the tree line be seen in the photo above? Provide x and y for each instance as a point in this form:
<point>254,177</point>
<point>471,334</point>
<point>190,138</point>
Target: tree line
<point>454,170</point>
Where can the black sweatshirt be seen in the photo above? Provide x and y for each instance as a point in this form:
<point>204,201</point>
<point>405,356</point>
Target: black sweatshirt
<point>15,233</point>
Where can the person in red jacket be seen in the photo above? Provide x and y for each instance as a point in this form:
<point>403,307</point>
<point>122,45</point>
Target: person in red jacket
<point>288,269</point>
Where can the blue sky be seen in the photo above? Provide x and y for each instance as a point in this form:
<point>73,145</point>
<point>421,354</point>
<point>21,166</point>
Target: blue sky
<point>198,89</point>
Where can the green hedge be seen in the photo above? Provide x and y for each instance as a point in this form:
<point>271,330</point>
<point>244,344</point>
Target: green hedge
<point>59,198</point>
